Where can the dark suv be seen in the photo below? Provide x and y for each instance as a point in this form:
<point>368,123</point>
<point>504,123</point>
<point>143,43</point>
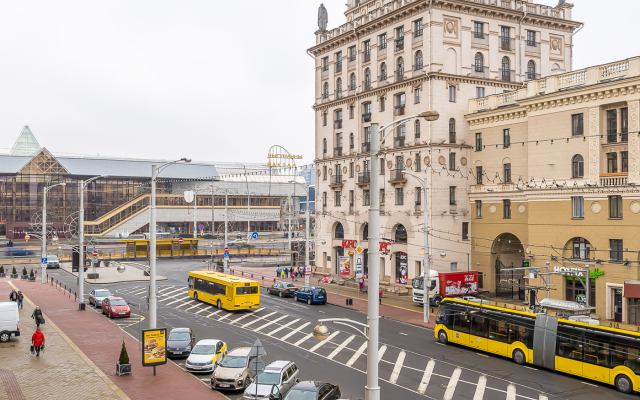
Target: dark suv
<point>311,294</point>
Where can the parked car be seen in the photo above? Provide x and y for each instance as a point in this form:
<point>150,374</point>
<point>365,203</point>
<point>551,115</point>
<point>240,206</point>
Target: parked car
<point>115,307</point>
<point>311,294</point>
<point>313,390</point>
<point>282,374</point>
<point>233,371</point>
<point>180,342</point>
<point>205,355</point>
<point>237,242</point>
<point>9,321</point>
<point>53,262</point>
<point>282,289</point>
<point>96,296</point>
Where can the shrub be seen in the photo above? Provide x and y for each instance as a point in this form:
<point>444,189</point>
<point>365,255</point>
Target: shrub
<point>1,269</point>
<point>124,356</point>
<point>14,270</point>
<point>24,270</point>
<point>31,273</point>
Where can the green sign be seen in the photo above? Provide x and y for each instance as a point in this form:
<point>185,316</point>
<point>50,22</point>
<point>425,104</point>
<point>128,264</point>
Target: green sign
<point>592,274</point>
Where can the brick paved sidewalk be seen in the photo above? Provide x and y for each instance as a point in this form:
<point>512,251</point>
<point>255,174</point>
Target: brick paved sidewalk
<point>100,340</point>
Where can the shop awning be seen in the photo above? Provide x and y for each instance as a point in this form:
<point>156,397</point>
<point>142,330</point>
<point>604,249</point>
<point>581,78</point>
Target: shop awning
<point>632,289</point>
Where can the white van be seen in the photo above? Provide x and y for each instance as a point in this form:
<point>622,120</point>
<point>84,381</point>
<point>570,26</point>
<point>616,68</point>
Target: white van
<point>9,321</point>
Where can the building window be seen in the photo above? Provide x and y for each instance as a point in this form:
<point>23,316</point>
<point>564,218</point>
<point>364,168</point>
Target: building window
<point>339,140</point>
<point>351,169</point>
<point>479,62</point>
<point>352,53</point>
<point>454,266</point>
<point>367,197</point>
<point>574,290</point>
<point>417,28</point>
<point>478,141</point>
<point>615,207</point>
<point>577,166</point>
<point>324,172</point>
<point>531,38</point>
<point>352,82</point>
<point>338,198</point>
<point>506,69</point>
<point>478,208</point>
<point>478,29</point>
<point>479,175</point>
<point>399,163</point>
<point>612,163</point>
<point>577,126</point>
<point>417,128</point>
<point>452,94</point>
<point>531,70</point>
<point>399,196</point>
<point>382,41</point>
<point>418,193</point>
<point>367,108</point>
<point>382,104</point>
<point>339,87</point>
<point>324,199</point>
<point>367,134</point>
<point>324,145</point>
<point>367,79</point>
<point>624,124</point>
<point>382,166</point>
<point>506,206</point>
<point>452,130</point>
<point>382,196</point>
<point>577,205</point>
<point>479,92</point>
<point>324,119</point>
<point>383,72</point>
<point>339,61</point>
<point>367,49</point>
<point>351,141</point>
<point>465,231</point>
<point>417,95</point>
<point>612,126</point>
<point>452,195</point>
<point>418,163</point>
<point>352,111</point>
<point>325,63</point>
<point>452,161</point>
<point>506,137</point>
<point>325,91</point>
<point>418,61</point>
<point>624,161</point>
<point>507,173</point>
<point>615,251</point>
<point>351,198</point>
<point>581,249</point>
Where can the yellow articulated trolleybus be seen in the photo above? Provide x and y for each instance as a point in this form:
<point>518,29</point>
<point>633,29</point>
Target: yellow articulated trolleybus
<point>593,352</point>
<point>224,291</point>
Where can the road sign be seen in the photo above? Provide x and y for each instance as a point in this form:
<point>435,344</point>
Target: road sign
<point>254,235</point>
<point>226,252</point>
<point>180,240</point>
<point>256,365</point>
<point>257,350</point>
<point>359,249</point>
<point>26,238</point>
<point>307,270</point>
<point>95,253</point>
<point>44,260</point>
<point>194,228</point>
<point>201,227</point>
<point>359,268</point>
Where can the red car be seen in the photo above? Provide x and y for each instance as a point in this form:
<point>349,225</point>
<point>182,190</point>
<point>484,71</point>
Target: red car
<point>115,307</point>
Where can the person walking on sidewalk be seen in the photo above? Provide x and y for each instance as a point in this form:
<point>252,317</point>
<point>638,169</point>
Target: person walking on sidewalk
<point>13,296</point>
<point>20,298</point>
<point>278,271</point>
<point>37,315</point>
<point>380,295</point>
<point>37,342</point>
<point>286,272</point>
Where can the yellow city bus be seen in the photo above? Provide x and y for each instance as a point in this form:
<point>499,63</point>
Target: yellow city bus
<point>224,291</point>
<point>599,353</point>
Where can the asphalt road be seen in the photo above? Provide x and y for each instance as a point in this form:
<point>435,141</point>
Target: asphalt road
<point>412,364</point>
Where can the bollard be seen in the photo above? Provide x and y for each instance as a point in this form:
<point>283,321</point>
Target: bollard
<point>75,296</point>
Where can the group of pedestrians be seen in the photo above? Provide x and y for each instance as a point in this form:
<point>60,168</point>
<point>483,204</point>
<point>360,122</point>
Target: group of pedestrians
<point>37,339</point>
<point>17,297</point>
<point>285,273</point>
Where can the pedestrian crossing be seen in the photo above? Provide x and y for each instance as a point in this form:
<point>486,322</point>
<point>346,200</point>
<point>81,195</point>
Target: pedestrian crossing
<point>435,379</point>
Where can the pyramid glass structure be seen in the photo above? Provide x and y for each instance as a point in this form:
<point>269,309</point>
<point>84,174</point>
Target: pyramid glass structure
<point>26,144</point>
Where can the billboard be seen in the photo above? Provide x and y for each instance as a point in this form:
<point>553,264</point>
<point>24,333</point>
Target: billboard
<point>345,265</point>
<point>155,343</point>
<point>459,283</point>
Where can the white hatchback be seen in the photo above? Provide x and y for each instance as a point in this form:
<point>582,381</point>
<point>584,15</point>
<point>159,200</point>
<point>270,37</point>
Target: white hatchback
<point>205,355</point>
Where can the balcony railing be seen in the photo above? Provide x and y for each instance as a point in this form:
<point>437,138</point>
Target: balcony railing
<point>325,71</point>
<point>507,76</point>
<point>624,136</point>
<point>337,124</point>
<point>382,80</point>
<point>382,51</point>
<point>480,38</point>
<point>335,180</point>
<point>399,44</point>
<point>398,141</point>
<point>612,135</point>
<point>532,47</point>
<point>417,36</point>
<point>364,178</point>
<point>337,151</point>
<point>507,43</point>
<point>397,176</point>
<point>366,57</point>
<point>479,72</point>
<point>618,179</point>
<point>399,75</point>
<point>338,94</point>
<point>366,85</point>
<point>398,110</point>
<point>532,75</point>
<point>366,117</point>
<point>338,67</point>
<point>366,147</point>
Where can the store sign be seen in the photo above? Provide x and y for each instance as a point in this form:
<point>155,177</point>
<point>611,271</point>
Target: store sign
<point>384,246</point>
<point>578,272</point>
<point>285,162</point>
<point>154,351</point>
<point>349,244</point>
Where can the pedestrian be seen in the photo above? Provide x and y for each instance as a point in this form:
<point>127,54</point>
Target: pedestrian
<point>37,342</point>
<point>282,274</point>
<point>278,271</point>
<point>380,294</point>
<point>37,315</point>
<point>13,296</point>
<point>293,274</point>
<point>286,272</point>
<point>20,298</point>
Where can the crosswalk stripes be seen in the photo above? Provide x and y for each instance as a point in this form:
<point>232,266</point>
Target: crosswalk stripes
<point>304,339</point>
<point>258,319</point>
<point>270,323</point>
<point>175,301</point>
<point>288,335</point>
<point>186,303</point>
<point>245,316</point>
<point>213,313</point>
<point>397,367</point>
<point>283,327</point>
<point>319,344</point>
<point>511,392</point>
<point>453,382</point>
<point>194,306</point>
<point>204,309</point>
<point>482,384</point>
<point>381,352</point>
<point>341,347</point>
<point>169,293</point>
<point>357,354</point>
<point>426,377</point>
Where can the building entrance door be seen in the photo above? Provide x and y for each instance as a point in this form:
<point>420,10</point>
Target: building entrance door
<point>617,305</point>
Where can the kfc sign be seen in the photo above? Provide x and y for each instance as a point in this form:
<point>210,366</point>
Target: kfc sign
<point>349,244</point>
<point>384,246</point>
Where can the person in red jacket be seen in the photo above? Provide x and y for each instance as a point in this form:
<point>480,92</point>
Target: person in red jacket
<point>37,341</point>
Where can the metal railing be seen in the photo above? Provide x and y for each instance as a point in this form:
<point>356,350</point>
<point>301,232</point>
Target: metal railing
<point>338,94</point>
<point>337,151</point>
<point>398,110</point>
<point>481,39</point>
<point>337,67</point>
<point>366,85</point>
<point>507,76</point>
<point>382,80</point>
<point>507,43</point>
<point>399,44</point>
<point>399,75</point>
<point>452,137</point>
<point>366,57</point>
<point>397,176</point>
<point>532,75</point>
<point>121,214</point>
<point>398,141</point>
<point>364,177</point>
<point>335,180</point>
<point>366,117</point>
<point>366,147</point>
<point>337,124</point>
<point>532,47</point>
<point>479,72</point>
<point>325,71</point>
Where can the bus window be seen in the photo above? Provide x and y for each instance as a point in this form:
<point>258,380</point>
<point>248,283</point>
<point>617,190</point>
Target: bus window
<point>444,317</point>
<point>190,282</point>
<point>627,356</point>
<point>569,344</point>
<point>479,325</point>
<point>520,334</point>
<point>498,331</point>
<point>247,290</point>
<point>460,322</point>
<point>596,352</point>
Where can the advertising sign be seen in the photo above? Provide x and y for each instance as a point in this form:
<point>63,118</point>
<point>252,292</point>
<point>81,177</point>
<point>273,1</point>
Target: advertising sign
<point>460,283</point>
<point>401,268</point>
<point>155,342</point>
<point>307,270</point>
<point>345,265</point>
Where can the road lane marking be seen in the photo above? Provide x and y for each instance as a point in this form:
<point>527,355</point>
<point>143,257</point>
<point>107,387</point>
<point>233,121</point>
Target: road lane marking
<point>166,288</point>
<point>405,334</point>
<point>426,377</point>
<point>590,384</point>
<point>511,392</point>
<point>175,296</point>
<point>227,315</point>
<point>172,292</point>
<point>138,291</point>
<point>543,397</point>
<point>483,355</point>
<point>319,344</point>
<point>213,313</point>
<point>258,319</point>
<point>381,352</point>
<point>398,367</point>
<point>304,339</point>
<point>530,368</point>
<point>204,309</point>
<point>482,384</point>
<point>244,316</point>
<point>282,327</point>
<point>451,387</point>
<point>358,353</point>
<point>288,335</point>
<point>187,303</point>
<point>341,347</point>
<point>194,306</point>
<point>270,323</point>
<point>175,301</point>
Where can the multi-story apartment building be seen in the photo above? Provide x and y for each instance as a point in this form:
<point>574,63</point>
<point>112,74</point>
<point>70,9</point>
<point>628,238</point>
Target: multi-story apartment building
<point>397,58</point>
<point>556,171</point>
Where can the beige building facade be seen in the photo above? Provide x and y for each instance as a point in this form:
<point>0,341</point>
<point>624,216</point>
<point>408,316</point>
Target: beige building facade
<point>556,171</point>
<point>393,59</point>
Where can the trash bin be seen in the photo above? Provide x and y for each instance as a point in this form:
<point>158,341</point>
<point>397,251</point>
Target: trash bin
<point>349,302</point>
<point>82,306</point>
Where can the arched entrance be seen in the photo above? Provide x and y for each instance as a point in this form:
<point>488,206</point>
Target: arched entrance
<point>507,252</point>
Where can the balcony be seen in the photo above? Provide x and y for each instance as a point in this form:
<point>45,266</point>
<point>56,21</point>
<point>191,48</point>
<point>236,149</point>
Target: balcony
<point>352,90</point>
<point>398,110</point>
<point>480,39</point>
<point>366,57</point>
<point>398,141</point>
<point>479,71</point>
<point>417,36</point>
<point>612,135</point>
<point>532,75</point>
<point>382,80</point>
<point>325,71</point>
<point>337,124</point>
<point>337,151</point>
<point>617,179</point>
<point>366,117</point>
<point>366,85</point>
<point>453,208</point>
<point>507,76</point>
<point>337,94</point>
<point>366,147</point>
<point>532,47</point>
<point>335,181</point>
<point>507,43</point>
<point>364,178</point>
<point>399,75</point>
<point>382,51</point>
<point>337,67</point>
<point>351,62</point>
<point>399,44</point>
<point>397,177</point>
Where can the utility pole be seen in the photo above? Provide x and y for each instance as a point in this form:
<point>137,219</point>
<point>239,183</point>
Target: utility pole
<point>226,223</point>
<point>307,249</point>
<point>43,264</point>
<point>213,207</point>
<point>195,211</point>
<point>152,251</point>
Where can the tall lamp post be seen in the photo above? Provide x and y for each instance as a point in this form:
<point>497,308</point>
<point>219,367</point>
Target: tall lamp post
<point>306,246</point>
<point>83,184</point>
<point>153,299</point>
<point>44,230</point>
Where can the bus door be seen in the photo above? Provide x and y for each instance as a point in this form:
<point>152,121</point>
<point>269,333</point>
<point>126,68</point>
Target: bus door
<point>499,337</point>
<point>478,332</point>
<point>460,328</point>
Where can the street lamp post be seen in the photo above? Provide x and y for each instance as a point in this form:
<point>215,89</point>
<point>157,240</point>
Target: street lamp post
<point>83,184</point>
<point>155,171</point>
<point>43,265</point>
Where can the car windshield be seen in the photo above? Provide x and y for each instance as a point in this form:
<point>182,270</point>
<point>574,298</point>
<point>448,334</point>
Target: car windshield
<point>297,394</point>
<point>319,291</point>
<point>179,336</point>
<point>234,362</point>
<point>204,349</point>
<point>103,293</point>
<point>118,303</point>
<point>52,258</point>
<point>267,378</point>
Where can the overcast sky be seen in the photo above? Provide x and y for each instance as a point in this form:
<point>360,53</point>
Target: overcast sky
<point>209,80</point>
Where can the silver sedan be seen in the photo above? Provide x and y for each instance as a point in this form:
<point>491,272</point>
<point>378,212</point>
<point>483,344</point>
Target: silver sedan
<point>96,296</point>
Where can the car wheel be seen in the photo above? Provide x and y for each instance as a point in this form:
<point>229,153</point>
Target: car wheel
<point>219,305</point>
<point>442,337</point>
<point>4,337</point>
<point>324,302</point>
<point>195,296</point>
<point>268,291</point>
<point>247,382</point>
<point>280,294</point>
<point>309,301</point>
<point>518,357</point>
<point>295,298</point>
<point>436,301</point>
<point>623,384</point>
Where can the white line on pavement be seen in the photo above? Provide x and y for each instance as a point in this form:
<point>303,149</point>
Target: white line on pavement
<point>213,313</point>
<point>166,288</point>
<point>319,344</point>
<point>304,339</point>
<point>426,377</point>
<point>258,319</point>
<point>245,316</point>
<point>483,355</point>
<point>358,353</point>
<point>270,322</point>
<point>398,367</point>
<point>173,291</point>
<point>530,368</point>
<point>288,335</point>
<point>282,327</point>
<point>482,383</point>
<point>511,392</point>
<point>590,384</point>
<point>451,387</point>
<point>405,334</point>
<point>381,352</point>
<point>187,303</point>
<point>341,347</point>
<point>225,316</point>
<point>194,306</point>
<point>543,397</point>
<point>204,309</point>
<point>175,301</point>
